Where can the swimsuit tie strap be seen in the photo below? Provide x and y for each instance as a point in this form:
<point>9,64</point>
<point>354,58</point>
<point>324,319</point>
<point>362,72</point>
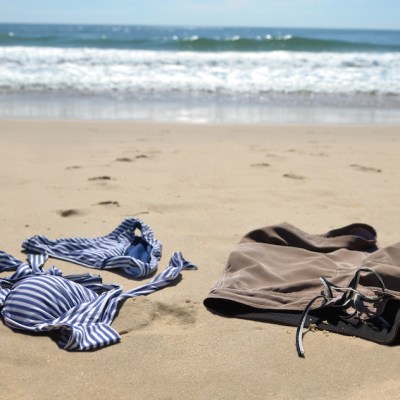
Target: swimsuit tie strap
<point>351,297</point>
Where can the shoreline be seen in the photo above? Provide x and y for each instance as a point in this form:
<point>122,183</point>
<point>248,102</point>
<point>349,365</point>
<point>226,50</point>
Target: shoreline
<point>273,109</point>
<point>197,127</point>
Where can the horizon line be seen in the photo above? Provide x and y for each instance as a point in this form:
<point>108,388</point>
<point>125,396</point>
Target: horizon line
<point>199,26</point>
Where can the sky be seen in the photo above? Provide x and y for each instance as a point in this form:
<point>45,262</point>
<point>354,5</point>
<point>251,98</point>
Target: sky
<point>361,14</point>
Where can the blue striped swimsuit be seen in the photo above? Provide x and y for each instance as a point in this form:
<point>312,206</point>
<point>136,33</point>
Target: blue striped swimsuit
<point>80,308</point>
<point>131,247</point>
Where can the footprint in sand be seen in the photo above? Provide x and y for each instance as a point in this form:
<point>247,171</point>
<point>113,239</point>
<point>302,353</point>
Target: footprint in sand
<point>258,165</point>
<point>100,178</point>
<point>74,167</point>
<point>124,159</point>
<point>127,159</point>
<point>294,176</point>
<point>107,203</point>
<point>141,312</point>
<point>69,213</point>
<point>365,169</point>
<point>319,154</point>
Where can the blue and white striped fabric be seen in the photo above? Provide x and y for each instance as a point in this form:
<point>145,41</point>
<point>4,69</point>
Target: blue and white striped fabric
<point>137,254</point>
<point>78,307</point>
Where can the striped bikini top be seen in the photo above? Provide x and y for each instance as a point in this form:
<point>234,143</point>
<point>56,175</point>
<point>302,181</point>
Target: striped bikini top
<point>79,308</point>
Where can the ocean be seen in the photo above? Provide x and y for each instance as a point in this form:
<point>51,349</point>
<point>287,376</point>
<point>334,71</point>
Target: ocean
<point>199,74</point>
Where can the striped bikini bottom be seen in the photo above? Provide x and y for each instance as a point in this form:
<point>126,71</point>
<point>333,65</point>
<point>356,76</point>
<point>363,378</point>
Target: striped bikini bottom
<point>80,308</point>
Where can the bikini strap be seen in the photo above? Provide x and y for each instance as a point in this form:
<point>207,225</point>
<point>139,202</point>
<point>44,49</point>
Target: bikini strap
<point>350,297</point>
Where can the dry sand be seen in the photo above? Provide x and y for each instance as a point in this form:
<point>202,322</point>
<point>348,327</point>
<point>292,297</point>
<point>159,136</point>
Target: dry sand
<point>200,187</point>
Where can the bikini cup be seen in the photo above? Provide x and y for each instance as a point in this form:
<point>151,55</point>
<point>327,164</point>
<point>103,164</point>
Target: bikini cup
<point>80,316</point>
<point>42,300</point>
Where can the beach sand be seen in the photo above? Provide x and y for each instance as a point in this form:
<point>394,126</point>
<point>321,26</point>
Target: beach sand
<point>200,187</point>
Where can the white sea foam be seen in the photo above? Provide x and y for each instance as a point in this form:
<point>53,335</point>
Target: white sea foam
<point>132,72</point>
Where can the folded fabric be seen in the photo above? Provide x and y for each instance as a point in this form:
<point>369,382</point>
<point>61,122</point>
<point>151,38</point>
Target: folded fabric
<point>340,281</point>
<point>131,247</point>
<point>79,308</point>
